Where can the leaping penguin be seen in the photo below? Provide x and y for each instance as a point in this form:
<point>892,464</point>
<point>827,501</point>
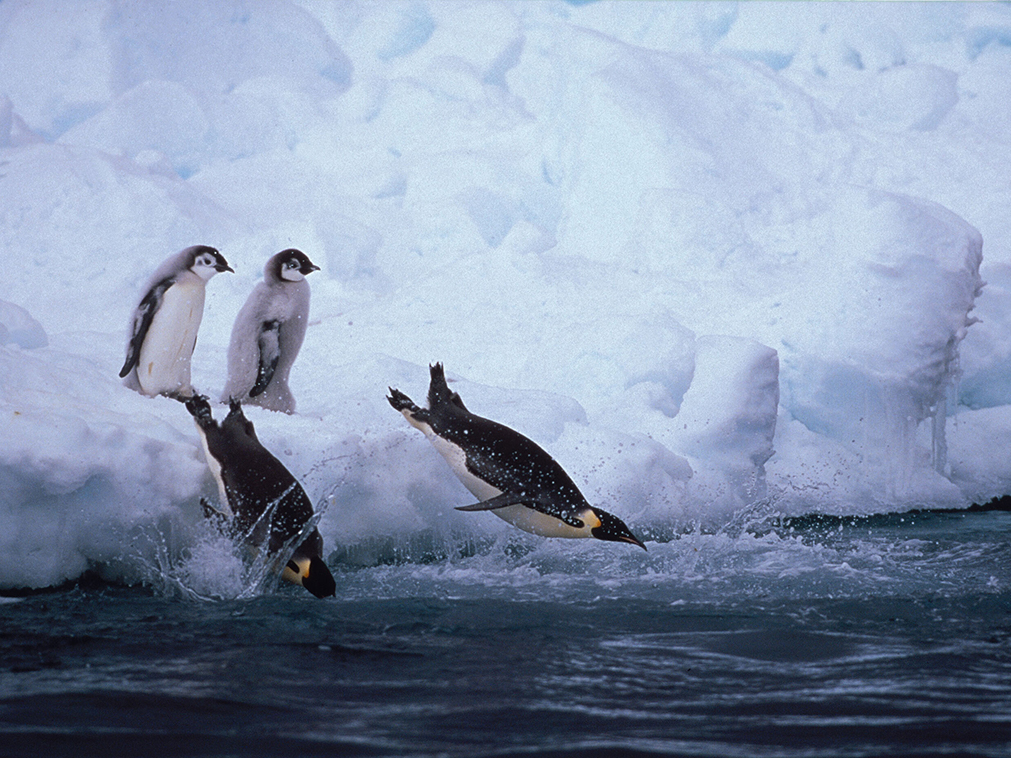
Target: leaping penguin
<point>250,481</point>
<point>509,473</point>
<point>268,334</point>
<point>164,327</point>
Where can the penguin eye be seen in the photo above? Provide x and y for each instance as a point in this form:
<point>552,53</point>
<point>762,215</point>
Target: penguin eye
<point>292,263</point>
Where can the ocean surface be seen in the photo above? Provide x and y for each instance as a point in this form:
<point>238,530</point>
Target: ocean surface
<point>822,636</point>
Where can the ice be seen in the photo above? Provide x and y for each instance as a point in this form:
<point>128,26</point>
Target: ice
<point>18,327</point>
<point>727,423</point>
<point>716,258</point>
<point>904,97</point>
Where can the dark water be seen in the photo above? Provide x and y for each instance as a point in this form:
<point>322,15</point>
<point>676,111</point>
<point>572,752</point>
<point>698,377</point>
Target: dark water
<point>821,637</point>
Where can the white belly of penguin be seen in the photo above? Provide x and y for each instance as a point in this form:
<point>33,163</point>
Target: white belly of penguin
<point>457,460</point>
<point>520,516</point>
<point>164,364</point>
<point>215,466</point>
<point>543,525</point>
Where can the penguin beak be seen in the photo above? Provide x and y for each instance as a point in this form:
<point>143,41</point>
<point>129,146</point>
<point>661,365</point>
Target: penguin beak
<point>222,267</point>
<point>309,268</point>
<point>631,540</point>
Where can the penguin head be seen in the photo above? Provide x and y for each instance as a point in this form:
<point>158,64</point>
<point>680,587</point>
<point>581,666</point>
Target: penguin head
<point>289,266</point>
<point>319,581</point>
<point>206,262</point>
<point>312,573</point>
<point>613,529</point>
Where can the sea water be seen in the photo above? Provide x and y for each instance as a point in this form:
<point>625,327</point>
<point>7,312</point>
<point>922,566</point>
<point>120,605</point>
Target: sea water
<point>821,636</point>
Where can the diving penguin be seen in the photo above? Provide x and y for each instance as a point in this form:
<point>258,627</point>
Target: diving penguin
<point>268,334</point>
<point>511,476</point>
<point>163,330</point>
<point>251,481</point>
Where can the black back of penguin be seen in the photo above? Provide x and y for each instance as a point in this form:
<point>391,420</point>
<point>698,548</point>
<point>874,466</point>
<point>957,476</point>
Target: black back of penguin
<point>253,478</point>
<point>501,456</point>
<point>513,477</point>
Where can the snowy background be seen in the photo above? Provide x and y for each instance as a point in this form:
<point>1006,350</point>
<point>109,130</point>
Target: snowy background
<point>717,259</point>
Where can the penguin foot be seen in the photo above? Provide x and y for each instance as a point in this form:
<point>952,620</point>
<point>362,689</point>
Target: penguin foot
<point>199,407</point>
<point>402,402</point>
<point>220,518</point>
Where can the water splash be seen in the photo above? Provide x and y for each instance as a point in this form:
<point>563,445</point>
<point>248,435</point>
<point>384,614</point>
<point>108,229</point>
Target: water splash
<point>212,561</point>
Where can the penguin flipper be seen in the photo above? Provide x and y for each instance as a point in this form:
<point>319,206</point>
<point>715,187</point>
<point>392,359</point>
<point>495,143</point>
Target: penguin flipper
<point>539,503</point>
<point>499,501</point>
<point>269,344</point>
<point>142,319</point>
<point>218,516</point>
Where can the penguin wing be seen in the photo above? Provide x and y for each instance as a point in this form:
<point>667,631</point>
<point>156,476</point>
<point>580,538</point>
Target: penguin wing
<point>142,319</point>
<point>499,501</point>
<point>541,503</point>
<point>216,516</point>
<point>269,349</point>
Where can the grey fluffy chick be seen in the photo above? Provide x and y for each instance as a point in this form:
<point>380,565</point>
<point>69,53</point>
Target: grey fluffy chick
<point>268,334</point>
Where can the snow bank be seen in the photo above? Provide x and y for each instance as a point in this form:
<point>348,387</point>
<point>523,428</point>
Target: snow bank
<point>85,468</point>
<point>713,257</point>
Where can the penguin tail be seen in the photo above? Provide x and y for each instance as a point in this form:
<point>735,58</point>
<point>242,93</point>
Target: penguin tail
<point>438,389</point>
<point>439,392</point>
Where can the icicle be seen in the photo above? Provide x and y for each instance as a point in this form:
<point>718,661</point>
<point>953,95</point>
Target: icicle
<point>939,442</point>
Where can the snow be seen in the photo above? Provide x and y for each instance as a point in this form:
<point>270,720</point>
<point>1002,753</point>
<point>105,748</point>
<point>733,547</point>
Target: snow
<point>712,257</point>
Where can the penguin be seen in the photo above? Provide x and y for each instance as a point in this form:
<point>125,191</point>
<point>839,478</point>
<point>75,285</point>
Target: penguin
<point>510,474</point>
<point>163,330</point>
<point>251,480</point>
<point>268,334</point>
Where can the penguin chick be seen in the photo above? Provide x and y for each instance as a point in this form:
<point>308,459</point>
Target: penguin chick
<point>252,480</point>
<point>268,334</point>
<point>509,473</point>
<point>164,327</point>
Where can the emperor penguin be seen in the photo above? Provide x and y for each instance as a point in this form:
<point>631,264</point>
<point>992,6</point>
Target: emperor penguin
<point>268,334</point>
<point>509,473</point>
<point>251,481</point>
<point>164,327</point>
